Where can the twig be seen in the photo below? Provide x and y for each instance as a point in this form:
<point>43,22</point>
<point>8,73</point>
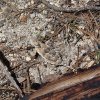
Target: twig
<point>9,89</point>
<point>93,19</point>
<point>70,10</point>
<point>40,79</point>
<point>90,34</point>
<point>28,80</point>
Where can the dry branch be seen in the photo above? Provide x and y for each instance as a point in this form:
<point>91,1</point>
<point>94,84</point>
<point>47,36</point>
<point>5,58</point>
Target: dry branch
<point>67,82</point>
<point>77,92</point>
<point>11,79</point>
<point>70,10</point>
<point>4,65</point>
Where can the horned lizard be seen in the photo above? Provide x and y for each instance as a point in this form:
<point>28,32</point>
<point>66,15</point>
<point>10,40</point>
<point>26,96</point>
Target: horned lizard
<point>49,55</point>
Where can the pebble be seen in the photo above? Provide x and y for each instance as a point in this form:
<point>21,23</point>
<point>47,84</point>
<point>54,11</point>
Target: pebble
<point>32,15</point>
<point>44,12</point>
<point>28,58</point>
<point>23,18</point>
<point>11,55</point>
<point>90,64</point>
<point>32,53</point>
<point>21,79</point>
<point>3,40</point>
<point>32,1</point>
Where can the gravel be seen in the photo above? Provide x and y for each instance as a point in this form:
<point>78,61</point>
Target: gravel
<point>15,34</point>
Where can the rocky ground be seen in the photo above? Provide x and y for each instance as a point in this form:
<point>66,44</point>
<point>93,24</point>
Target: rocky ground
<point>43,44</point>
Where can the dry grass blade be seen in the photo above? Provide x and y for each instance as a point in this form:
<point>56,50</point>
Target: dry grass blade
<point>94,19</point>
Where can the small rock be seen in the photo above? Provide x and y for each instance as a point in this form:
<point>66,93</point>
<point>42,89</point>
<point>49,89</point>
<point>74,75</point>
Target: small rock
<point>32,15</point>
<point>28,58</point>
<point>32,1</point>
<point>21,79</point>
<point>3,40</point>
<point>11,55</point>
<point>32,53</point>
<point>29,3</point>
<point>23,18</point>
<point>44,12</point>
<point>90,64</point>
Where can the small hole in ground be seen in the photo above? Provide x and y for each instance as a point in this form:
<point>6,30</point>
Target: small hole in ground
<point>35,86</point>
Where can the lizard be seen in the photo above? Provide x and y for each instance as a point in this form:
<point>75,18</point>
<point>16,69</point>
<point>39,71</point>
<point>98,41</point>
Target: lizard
<point>50,56</point>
